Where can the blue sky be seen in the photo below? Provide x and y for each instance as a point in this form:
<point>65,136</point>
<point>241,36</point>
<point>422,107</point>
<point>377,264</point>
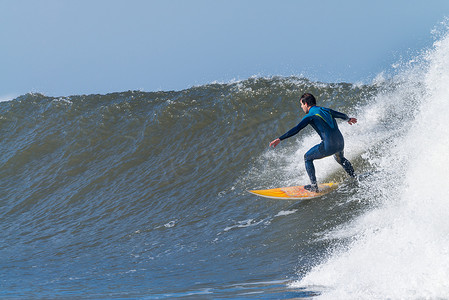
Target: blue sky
<point>66,47</point>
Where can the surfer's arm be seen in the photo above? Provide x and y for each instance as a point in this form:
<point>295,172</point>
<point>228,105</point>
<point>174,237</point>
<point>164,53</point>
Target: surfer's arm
<point>337,114</point>
<point>304,122</point>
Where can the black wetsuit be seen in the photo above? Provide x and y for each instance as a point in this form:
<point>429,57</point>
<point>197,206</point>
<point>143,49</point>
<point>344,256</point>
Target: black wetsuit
<point>323,121</point>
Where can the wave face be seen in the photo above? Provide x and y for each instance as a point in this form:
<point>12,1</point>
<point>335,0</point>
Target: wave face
<point>137,194</point>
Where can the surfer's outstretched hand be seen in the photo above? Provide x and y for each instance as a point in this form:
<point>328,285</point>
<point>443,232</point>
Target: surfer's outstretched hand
<point>352,121</point>
<point>275,143</point>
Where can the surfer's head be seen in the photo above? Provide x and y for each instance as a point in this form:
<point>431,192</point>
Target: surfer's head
<point>308,99</point>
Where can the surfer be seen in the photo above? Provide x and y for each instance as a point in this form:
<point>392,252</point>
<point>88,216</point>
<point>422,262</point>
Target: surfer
<point>332,143</point>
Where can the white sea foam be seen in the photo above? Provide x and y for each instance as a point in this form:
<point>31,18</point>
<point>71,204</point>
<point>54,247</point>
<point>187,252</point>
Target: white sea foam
<point>400,248</point>
<point>244,224</point>
<point>286,212</point>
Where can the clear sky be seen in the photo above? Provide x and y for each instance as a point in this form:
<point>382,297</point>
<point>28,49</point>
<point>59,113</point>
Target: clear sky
<point>66,47</point>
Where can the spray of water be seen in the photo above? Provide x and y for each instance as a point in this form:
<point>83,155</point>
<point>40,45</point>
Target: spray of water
<point>399,249</point>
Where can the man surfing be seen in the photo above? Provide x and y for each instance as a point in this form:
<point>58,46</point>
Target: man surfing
<point>332,143</point>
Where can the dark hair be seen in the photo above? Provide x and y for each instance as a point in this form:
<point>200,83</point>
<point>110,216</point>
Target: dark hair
<point>308,99</point>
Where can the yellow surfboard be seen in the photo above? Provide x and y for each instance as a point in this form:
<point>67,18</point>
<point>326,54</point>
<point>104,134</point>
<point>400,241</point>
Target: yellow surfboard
<point>296,192</point>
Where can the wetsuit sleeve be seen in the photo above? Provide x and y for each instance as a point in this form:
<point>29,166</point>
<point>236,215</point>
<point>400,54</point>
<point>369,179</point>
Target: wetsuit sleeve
<point>337,114</point>
<point>304,122</point>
